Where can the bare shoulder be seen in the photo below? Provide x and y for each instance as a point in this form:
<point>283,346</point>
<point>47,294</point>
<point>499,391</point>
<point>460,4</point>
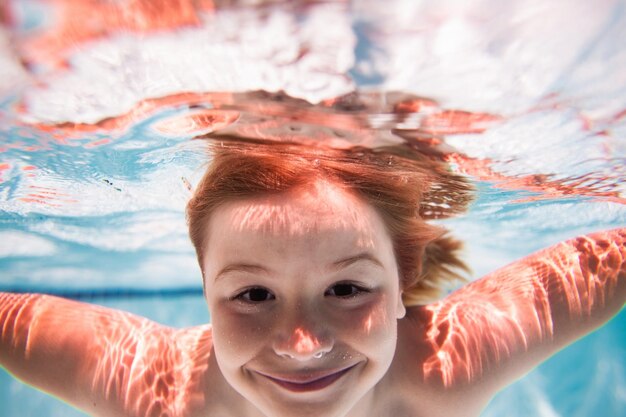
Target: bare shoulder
<point>413,388</point>
<point>155,370</point>
<point>113,363</point>
<point>195,369</point>
<point>466,347</point>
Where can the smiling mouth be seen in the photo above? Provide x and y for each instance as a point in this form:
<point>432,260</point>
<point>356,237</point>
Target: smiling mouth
<point>308,385</point>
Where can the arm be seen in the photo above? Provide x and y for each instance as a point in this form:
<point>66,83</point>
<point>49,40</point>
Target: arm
<point>103,361</point>
<point>496,329</point>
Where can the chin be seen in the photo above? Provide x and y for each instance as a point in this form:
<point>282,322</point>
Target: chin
<point>303,409</point>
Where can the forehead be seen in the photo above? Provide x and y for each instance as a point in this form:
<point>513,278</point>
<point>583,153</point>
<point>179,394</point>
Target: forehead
<point>309,212</point>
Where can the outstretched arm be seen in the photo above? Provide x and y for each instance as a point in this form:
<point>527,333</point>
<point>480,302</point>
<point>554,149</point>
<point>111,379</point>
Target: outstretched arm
<point>103,361</point>
<point>496,329</point>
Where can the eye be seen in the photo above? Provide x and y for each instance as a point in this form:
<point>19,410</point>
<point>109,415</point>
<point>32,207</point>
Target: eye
<point>346,290</point>
<point>254,295</point>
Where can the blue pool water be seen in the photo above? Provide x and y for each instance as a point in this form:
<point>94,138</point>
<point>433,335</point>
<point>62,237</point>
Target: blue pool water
<point>97,157</point>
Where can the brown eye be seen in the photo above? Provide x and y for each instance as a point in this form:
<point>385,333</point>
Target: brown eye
<point>345,290</point>
<point>255,295</point>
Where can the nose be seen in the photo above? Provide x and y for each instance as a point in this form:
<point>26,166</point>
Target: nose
<point>302,344</point>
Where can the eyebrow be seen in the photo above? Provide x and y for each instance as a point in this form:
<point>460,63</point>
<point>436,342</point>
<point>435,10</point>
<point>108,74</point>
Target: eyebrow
<point>363,256</point>
<point>241,267</point>
<point>335,266</point>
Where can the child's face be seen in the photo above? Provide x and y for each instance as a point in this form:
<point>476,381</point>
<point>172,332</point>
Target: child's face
<point>300,287</point>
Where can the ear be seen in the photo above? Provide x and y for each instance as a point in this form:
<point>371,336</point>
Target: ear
<point>400,308</point>
<point>203,282</point>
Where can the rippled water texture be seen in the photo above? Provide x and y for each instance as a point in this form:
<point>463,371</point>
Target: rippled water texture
<point>105,106</point>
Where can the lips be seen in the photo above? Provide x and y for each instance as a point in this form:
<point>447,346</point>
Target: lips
<point>308,382</point>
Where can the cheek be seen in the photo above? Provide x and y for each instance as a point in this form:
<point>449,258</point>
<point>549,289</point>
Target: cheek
<point>379,320</point>
<point>373,327</point>
<point>237,337</point>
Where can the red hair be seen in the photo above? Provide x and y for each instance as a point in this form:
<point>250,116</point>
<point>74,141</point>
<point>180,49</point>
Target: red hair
<point>403,185</point>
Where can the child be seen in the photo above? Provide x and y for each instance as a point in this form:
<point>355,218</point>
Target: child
<point>317,266</point>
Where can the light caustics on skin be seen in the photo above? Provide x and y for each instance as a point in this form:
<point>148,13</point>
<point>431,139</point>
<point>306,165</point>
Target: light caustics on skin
<point>15,318</point>
<point>367,324</point>
<point>150,369</point>
<point>274,217</point>
<point>377,318</point>
<point>143,368</point>
<point>531,301</point>
<point>303,341</point>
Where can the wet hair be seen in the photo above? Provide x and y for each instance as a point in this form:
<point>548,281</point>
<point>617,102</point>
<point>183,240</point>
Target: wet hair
<point>405,187</point>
